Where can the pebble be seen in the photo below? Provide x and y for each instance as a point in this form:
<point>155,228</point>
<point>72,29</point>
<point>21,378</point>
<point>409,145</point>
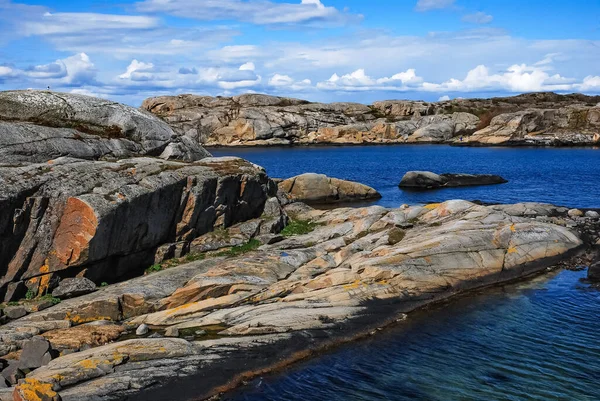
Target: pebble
<point>142,329</point>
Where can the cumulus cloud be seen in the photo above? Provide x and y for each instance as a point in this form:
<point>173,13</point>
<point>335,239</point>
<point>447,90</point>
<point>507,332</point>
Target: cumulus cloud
<point>71,71</point>
<point>443,98</point>
<point>138,71</point>
<point>427,5</point>
<point>249,66</point>
<point>360,81</point>
<point>478,18</point>
<point>285,82</point>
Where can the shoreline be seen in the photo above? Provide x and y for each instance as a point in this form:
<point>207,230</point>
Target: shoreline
<point>375,321</point>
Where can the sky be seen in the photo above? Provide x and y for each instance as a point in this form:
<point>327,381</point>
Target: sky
<point>319,50</point>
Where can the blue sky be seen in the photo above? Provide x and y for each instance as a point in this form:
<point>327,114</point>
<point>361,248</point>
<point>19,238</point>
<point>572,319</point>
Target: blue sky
<point>321,50</point>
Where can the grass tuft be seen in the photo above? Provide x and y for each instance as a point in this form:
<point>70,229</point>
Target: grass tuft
<point>298,227</point>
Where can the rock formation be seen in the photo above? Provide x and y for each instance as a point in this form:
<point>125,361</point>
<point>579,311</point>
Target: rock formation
<point>358,269</point>
<point>36,126</point>
<point>429,180</point>
<point>259,120</point>
<point>105,220</point>
<point>318,188</point>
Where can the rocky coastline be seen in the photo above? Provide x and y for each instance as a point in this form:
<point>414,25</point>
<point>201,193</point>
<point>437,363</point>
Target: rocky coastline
<point>536,119</point>
<point>136,266</point>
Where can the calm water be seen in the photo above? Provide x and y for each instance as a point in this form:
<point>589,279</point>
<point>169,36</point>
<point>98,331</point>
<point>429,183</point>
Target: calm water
<point>538,340</point>
<point>562,176</point>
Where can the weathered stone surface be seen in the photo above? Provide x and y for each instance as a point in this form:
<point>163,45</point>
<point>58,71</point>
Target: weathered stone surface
<point>73,287</point>
<point>359,267</point>
<point>106,219</point>
<point>570,125</point>
<point>80,337</point>
<point>34,351</point>
<point>318,188</point>
<point>37,126</point>
<point>259,120</point>
<point>142,329</point>
<point>15,312</point>
<point>429,180</point>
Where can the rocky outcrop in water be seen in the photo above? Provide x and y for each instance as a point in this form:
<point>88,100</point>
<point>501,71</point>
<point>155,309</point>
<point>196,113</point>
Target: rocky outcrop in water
<point>36,126</point>
<point>429,180</point>
<point>319,189</point>
<point>259,120</point>
<point>105,220</point>
<point>344,272</point>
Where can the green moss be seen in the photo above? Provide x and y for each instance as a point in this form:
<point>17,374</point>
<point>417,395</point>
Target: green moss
<point>153,268</point>
<point>241,249</point>
<point>194,256</point>
<point>298,227</point>
<point>50,298</point>
<point>29,295</point>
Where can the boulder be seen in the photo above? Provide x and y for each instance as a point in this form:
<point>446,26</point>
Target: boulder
<point>36,353</point>
<point>37,126</point>
<point>15,312</point>
<point>318,188</point>
<point>73,287</point>
<point>429,180</point>
<point>575,213</point>
<point>104,220</point>
<point>592,214</point>
<point>142,330</point>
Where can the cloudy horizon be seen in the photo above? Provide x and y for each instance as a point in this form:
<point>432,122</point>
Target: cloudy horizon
<point>317,50</point>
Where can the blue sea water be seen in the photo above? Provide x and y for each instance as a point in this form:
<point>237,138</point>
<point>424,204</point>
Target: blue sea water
<point>562,176</point>
<point>536,340</point>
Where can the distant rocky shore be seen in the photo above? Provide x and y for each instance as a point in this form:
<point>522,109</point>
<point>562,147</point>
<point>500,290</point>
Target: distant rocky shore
<point>136,266</point>
<point>535,119</point>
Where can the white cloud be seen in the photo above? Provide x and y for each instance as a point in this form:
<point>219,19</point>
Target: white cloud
<point>427,5</point>
<point>590,83</point>
<point>360,81</point>
<point>285,82</point>
<point>262,12</point>
<point>249,66</point>
<point>478,18</point>
<point>69,23</point>
<point>5,71</point>
<point>443,98</point>
<point>74,70</point>
<point>138,70</point>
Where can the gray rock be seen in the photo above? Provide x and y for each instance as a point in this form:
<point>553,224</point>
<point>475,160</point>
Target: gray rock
<point>15,312</point>
<point>123,212</point>
<point>81,126</point>
<point>429,180</point>
<point>13,372</point>
<point>74,287</point>
<point>36,353</point>
<point>142,329</point>
<point>592,214</point>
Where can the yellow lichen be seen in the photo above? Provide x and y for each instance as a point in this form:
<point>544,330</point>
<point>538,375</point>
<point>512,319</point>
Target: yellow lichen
<point>512,250</point>
<point>432,206</point>
<point>34,390</point>
<point>512,228</point>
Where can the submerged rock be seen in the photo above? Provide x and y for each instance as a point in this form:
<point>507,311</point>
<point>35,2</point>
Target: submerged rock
<point>318,188</point>
<point>429,180</point>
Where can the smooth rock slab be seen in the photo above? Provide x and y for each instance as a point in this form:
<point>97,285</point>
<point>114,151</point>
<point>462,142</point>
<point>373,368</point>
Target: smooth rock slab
<point>429,180</point>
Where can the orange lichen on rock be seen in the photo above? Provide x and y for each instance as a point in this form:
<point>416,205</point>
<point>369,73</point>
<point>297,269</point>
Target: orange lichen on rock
<point>34,390</point>
<point>76,230</point>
